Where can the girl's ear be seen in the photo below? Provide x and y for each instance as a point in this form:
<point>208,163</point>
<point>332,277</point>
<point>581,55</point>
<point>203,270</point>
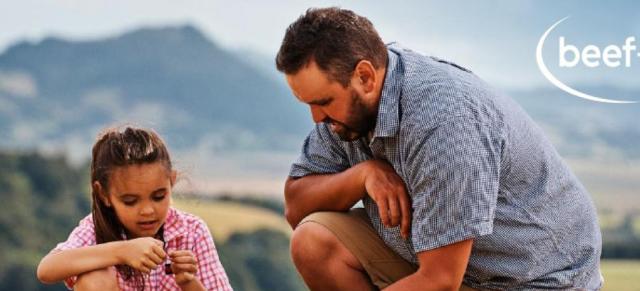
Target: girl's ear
<point>97,188</point>
<point>174,176</point>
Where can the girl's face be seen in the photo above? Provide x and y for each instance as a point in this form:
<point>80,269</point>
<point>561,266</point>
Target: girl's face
<point>140,196</point>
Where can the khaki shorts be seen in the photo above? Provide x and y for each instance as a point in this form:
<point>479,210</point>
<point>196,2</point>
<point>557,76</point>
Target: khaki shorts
<point>354,230</point>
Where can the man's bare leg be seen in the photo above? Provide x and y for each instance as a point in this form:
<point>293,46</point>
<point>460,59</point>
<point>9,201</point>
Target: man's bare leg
<point>324,262</point>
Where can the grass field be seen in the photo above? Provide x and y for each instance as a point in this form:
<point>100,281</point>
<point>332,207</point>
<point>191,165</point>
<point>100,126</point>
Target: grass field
<point>225,218</point>
<point>621,275</point>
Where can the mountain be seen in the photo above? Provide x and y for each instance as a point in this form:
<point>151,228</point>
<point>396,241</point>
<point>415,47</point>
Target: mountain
<point>58,93</point>
<point>228,115</point>
<point>584,129</point>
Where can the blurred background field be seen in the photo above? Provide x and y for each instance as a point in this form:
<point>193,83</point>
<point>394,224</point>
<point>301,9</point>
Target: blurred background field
<point>202,74</point>
<point>621,275</point>
<point>228,217</point>
<point>44,197</point>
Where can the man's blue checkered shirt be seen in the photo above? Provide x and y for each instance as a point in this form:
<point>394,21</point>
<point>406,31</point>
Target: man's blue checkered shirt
<point>476,166</point>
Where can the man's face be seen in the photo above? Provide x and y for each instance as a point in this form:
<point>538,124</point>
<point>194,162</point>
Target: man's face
<point>349,114</point>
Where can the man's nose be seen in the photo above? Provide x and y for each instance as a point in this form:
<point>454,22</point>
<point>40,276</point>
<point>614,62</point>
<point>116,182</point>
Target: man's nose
<point>317,114</point>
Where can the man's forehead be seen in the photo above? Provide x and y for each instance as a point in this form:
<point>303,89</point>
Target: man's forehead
<point>292,86</point>
<point>309,84</point>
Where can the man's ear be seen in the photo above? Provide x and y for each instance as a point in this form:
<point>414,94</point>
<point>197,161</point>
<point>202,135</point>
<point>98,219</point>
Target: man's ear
<point>101,194</point>
<point>365,76</point>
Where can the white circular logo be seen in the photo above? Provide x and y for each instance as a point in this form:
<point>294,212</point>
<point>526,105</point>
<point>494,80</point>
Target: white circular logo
<point>587,58</point>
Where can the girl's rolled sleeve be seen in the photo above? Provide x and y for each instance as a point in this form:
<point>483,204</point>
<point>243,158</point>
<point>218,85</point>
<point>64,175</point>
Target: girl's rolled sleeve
<point>81,236</point>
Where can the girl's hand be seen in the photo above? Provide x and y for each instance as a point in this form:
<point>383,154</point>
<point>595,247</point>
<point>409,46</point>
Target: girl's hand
<point>143,254</point>
<point>184,266</point>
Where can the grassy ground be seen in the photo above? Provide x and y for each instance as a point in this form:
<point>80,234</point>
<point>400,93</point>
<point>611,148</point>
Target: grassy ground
<point>621,275</point>
<point>225,218</point>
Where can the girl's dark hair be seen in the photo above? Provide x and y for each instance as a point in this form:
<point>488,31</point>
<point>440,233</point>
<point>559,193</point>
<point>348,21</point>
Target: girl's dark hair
<point>116,148</point>
<point>336,39</point>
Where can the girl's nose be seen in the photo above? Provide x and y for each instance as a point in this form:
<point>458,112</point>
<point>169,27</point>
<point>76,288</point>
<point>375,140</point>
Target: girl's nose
<point>146,210</point>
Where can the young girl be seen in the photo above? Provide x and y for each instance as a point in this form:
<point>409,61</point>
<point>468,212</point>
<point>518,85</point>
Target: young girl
<point>133,239</point>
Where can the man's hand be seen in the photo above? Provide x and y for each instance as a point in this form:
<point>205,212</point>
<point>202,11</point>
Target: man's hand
<point>340,191</point>
<point>389,192</point>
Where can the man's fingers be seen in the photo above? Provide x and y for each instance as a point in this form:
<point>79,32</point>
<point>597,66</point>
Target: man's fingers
<point>394,212</point>
<point>405,208</point>
<point>383,210</point>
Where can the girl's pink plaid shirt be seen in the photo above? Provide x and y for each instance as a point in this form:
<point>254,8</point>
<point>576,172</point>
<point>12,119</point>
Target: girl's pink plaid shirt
<point>182,231</point>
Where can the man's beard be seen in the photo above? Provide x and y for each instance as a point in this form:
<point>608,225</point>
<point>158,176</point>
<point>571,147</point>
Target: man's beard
<point>361,120</point>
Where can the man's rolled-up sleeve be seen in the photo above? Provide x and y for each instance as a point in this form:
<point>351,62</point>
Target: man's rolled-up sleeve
<point>454,179</point>
<point>322,153</point>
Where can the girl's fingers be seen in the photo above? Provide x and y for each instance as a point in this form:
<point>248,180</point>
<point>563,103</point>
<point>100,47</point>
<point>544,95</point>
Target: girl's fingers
<point>155,258</point>
<point>189,276</point>
<point>184,260</point>
<point>157,249</point>
<point>181,268</point>
<point>148,263</point>
<point>144,269</point>
<point>180,253</point>
<point>158,242</point>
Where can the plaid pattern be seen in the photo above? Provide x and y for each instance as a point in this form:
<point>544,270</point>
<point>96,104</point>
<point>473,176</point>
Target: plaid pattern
<point>182,231</point>
<point>475,166</point>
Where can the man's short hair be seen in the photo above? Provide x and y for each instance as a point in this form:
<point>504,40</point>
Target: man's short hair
<point>336,39</point>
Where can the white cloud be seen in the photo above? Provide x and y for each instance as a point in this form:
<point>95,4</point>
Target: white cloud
<point>18,84</point>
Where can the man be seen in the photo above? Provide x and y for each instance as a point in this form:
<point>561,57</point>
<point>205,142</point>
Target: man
<point>461,189</point>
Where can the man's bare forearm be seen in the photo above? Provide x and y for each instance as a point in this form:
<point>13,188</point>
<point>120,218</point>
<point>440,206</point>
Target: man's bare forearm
<point>327,192</point>
<point>440,269</point>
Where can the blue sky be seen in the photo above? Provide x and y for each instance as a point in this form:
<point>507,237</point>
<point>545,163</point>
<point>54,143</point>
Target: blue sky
<point>496,39</point>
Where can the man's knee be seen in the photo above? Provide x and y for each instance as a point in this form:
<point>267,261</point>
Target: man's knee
<point>312,243</point>
<point>103,279</point>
